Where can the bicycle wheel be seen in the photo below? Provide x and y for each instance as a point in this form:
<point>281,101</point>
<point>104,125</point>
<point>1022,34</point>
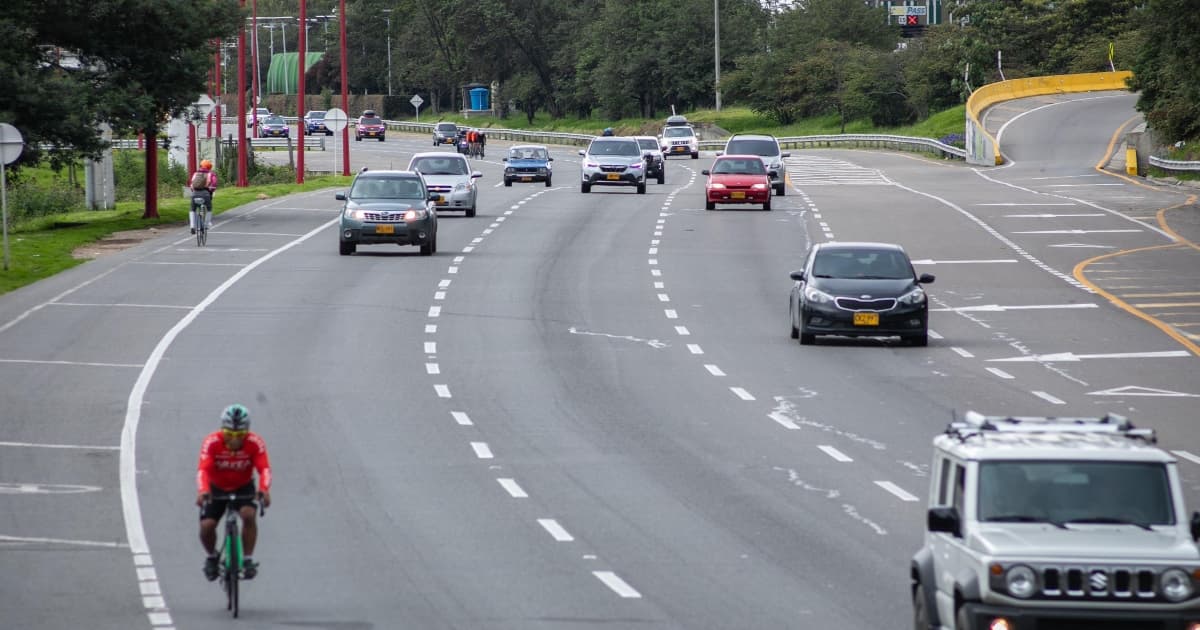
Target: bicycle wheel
<point>233,565</point>
<point>200,229</point>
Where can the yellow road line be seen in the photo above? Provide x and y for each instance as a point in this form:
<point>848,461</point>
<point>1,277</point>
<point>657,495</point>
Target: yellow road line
<point>1161,215</point>
<point>1166,304</point>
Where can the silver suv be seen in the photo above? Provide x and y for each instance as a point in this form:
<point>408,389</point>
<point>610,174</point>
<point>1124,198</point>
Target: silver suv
<point>1055,523</point>
<point>766,147</point>
<point>613,161</point>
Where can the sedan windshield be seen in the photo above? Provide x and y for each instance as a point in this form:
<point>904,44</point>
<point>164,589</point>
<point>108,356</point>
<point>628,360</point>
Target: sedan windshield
<point>439,166</point>
<point>751,166</point>
<point>527,153</point>
<point>648,143</point>
<point>1066,492</point>
<point>316,115</point>
<point>753,147</point>
<point>387,188</point>
<point>873,264</point>
<point>615,148</point>
<point>274,120</point>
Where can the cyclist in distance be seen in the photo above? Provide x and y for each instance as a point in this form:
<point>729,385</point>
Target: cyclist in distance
<point>203,184</point>
<point>228,459</point>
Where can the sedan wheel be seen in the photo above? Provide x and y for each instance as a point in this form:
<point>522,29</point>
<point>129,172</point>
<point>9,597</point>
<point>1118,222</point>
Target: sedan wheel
<point>471,211</point>
<point>586,188</point>
<point>780,190</point>
<point>508,182</point>
<point>427,248</point>
<point>662,176</point>
<point>767,205</point>
<point>547,182</point>
<point>919,341</point>
<point>920,609</point>
<point>708,205</point>
<point>346,248</point>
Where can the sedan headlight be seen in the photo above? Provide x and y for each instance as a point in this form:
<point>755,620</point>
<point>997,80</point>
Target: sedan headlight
<point>1021,582</point>
<point>717,186</point>
<point>1176,585</point>
<point>460,186</point>
<point>508,170</point>
<point>759,187</point>
<point>813,294</point>
<point>914,297</point>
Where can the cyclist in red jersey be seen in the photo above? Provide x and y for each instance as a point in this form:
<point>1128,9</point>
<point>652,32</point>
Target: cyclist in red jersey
<point>228,459</point>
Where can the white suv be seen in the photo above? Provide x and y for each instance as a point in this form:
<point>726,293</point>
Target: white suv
<point>680,140</point>
<point>1055,523</point>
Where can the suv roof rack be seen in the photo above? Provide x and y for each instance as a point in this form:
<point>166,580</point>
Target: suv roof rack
<point>975,424</point>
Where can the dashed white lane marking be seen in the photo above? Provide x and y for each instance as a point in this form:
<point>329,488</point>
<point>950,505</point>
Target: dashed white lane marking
<point>783,420</point>
<point>79,363</point>
<point>713,369</point>
<point>671,314</point>
<point>660,285</point>
<point>1049,398</point>
<point>1188,456</point>
<point>682,331</point>
<point>962,353</point>
<point>452,270</point>
<point>435,311</point>
<point>835,454</point>
<point>482,450</point>
<point>1000,373</point>
<point>557,531</point>
<point>933,334</point>
<point>900,493</point>
<point>439,295</point>
<point>468,249</point>
<point>461,417</point>
<point>663,297</point>
<point>160,619</point>
<point>430,328</point>
<point>432,368</point>
<point>513,489</point>
<point>694,349</point>
<point>430,347</point>
<point>443,391</point>
<point>612,581</point>
<point>741,393</point>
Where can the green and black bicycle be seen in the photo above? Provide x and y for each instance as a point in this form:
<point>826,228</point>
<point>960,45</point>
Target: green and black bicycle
<point>201,211</point>
<point>230,553</point>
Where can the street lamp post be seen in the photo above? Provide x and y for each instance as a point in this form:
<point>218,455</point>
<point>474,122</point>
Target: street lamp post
<point>388,12</point>
<point>717,51</point>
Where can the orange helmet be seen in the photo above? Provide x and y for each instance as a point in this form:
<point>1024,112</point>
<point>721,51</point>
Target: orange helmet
<point>206,164</point>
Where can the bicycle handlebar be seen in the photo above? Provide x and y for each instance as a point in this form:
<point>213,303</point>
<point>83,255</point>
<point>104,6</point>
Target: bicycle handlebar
<point>233,496</point>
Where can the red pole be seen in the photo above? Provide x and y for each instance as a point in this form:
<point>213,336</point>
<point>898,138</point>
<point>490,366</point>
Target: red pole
<point>254,55</point>
<point>219,110</point>
<point>191,147</point>
<point>345,88</point>
<point>300,93</point>
<point>242,181</point>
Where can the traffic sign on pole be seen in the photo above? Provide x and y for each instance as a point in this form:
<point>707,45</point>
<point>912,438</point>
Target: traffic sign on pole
<point>11,145</point>
<point>416,101</point>
<point>335,121</point>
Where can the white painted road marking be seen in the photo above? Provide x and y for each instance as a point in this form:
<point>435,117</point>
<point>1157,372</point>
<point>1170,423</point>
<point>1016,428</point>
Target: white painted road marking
<point>66,446</point>
<point>1188,456</point>
<point>999,372</point>
<point>713,369</point>
<point>963,262</point>
<point>835,454</point>
<point>461,418</point>
<point>482,450</point>
<point>896,490</point>
<point>741,393</point>
<point>1072,357</point>
<point>997,308</point>
<point>513,489</point>
<point>556,530</point>
<point>1049,398</point>
<point>443,391</point>
<point>618,585</point>
<point>1135,390</point>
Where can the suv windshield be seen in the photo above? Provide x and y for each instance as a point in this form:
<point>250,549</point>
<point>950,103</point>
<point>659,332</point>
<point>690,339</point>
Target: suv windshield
<point>767,148</point>
<point>648,143</point>
<point>439,166</point>
<point>1062,492</point>
<point>367,120</point>
<point>447,127</point>
<point>386,188</point>
<point>622,147</point>
<point>678,132</point>
<point>864,264</point>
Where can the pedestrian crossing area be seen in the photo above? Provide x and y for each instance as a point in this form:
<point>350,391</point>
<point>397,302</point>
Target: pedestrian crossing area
<point>816,170</point>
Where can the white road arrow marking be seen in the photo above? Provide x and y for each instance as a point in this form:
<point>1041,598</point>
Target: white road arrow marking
<point>1137,390</point>
<point>996,308</point>
<point>1072,357</point>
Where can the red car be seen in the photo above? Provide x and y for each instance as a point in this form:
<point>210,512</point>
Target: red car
<point>737,179</point>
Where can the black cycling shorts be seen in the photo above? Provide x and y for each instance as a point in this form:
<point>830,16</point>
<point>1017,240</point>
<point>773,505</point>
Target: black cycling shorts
<point>215,508</point>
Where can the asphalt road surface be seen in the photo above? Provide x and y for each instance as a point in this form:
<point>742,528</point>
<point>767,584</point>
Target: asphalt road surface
<point>585,410</point>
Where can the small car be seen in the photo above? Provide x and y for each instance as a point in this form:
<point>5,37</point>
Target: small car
<point>449,176</point>
<point>737,179</point>
<point>273,127</point>
<point>612,161</point>
<point>766,147</point>
<point>528,163</point>
<point>314,122</point>
<point>656,164</point>
<point>370,126</point>
<point>384,207</point>
<point>445,133</point>
<point>859,290</point>
<point>256,116</point>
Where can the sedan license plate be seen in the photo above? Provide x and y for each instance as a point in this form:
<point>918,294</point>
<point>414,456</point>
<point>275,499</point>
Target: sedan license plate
<point>614,176</point>
<point>737,195</point>
<point>526,179</point>
<point>385,229</point>
<point>866,319</point>
<point>442,202</point>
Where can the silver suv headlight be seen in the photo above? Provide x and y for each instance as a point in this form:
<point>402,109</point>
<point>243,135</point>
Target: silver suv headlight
<point>914,297</point>
<point>1176,585</point>
<point>1020,581</point>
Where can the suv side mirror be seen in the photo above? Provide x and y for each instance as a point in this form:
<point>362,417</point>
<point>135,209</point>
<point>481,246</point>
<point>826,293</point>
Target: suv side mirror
<point>785,154</point>
<point>925,278</point>
<point>946,519</point>
<point>504,159</point>
<point>340,196</point>
<point>582,152</point>
<point>1196,526</point>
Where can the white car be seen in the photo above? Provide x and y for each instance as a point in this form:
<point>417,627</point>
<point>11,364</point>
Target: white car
<point>450,176</point>
<point>680,140</point>
<point>255,116</point>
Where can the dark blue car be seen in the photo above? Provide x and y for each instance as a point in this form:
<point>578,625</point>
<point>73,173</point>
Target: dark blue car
<point>528,163</point>
<point>314,122</point>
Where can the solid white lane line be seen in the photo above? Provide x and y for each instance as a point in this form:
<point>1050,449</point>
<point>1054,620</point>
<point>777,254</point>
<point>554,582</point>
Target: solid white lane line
<point>461,417</point>
<point>999,372</point>
<point>61,446</point>
<point>1188,456</point>
<point>962,353</point>
<point>741,393</point>
<point>1054,216</point>
<point>1079,232</point>
<point>694,349</point>
<point>998,308</point>
<point>443,391</point>
<point>482,450</point>
<point>896,490</point>
<point>510,485</point>
<point>81,363</point>
<point>1048,398</point>
<point>682,331</point>
<point>430,347</point>
<point>618,585</point>
<point>556,530</point>
<point>63,541</point>
<point>963,262</point>
<point>835,454</point>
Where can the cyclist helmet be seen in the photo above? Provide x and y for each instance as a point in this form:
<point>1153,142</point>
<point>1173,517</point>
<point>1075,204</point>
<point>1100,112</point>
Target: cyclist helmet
<point>607,131</point>
<point>235,417</point>
<point>206,164</point>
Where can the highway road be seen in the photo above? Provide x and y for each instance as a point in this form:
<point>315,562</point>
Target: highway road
<point>584,411</point>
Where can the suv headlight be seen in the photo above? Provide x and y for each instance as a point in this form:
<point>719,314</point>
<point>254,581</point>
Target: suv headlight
<point>914,297</point>
<point>813,294</point>
<point>1176,585</point>
<point>1020,581</point>
<point>354,213</point>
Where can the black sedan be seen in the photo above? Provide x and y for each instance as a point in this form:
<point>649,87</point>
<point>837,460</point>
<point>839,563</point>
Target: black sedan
<point>859,290</point>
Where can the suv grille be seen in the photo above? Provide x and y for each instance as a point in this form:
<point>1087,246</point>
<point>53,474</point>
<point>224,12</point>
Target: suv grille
<point>852,304</point>
<point>614,168</point>
<point>383,217</point>
<point>1105,583</point>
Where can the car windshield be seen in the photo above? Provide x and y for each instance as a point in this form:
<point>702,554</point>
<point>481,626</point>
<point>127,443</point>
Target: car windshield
<point>753,147</point>
<point>527,153</point>
<point>648,143</point>
<point>623,147</point>
<point>316,114</point>
<point>734,166</point>
<point>678,132</point>
<point>865,264</point>
<point>367,120</point>
<point>439,166</point>
<point>447,127</point>
<point>274,120</point>
<point>386,188</point>
<point>1065,492</point>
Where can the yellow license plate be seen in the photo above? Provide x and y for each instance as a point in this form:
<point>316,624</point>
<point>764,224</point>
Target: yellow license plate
<point>526,179</point>
<point>442,202</point>
<point>737,195</point>
<point>614,176</point>
<point>866,319</point>
<point>385,229</point>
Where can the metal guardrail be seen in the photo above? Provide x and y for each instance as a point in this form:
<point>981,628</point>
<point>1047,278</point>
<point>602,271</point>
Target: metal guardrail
<point>902,143</point>
<point>310,142</point>
<point>1173,165</point>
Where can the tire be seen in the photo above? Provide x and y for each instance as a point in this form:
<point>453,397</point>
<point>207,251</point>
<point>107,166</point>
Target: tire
<point>641,188</point>
<point>381,138</point>
<point>547,182</point>
<point>427,248</point>
<point>346,248</point>
<point>585,188</point>
<point>696,156</point>
<point>920,609</point>
<point>806,338</point>
<point>508,183</point>
<point>780,190</point>
<point>708,205</point>
<point>358,138</point>
<point>767,206</point>
<point>918,341</point>
<point>662,177</point>
<point>792,324</point>
<point>471,211</point>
